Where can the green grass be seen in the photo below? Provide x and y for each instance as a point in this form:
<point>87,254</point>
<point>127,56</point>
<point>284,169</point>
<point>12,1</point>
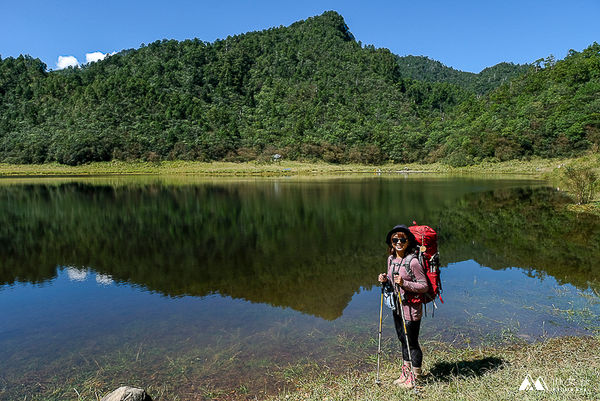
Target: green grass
<point>283,168</point>
<point>182,168</point>
<point>590,208</point>
<point>568,365</point>
<point>547,169</point>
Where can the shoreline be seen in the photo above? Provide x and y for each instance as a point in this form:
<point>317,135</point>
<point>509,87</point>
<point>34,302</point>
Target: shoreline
<point>536,168</point>
<point>456,373</point>
<point>547,170</point>
<point>567,367</point>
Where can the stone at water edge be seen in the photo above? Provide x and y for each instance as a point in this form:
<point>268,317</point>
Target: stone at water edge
<point>127,393</point>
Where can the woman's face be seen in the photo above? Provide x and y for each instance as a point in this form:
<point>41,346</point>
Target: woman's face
<point>399,242</point>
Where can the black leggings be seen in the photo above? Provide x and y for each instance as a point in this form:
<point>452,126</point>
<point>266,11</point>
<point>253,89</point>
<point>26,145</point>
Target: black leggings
<point>412,328</point>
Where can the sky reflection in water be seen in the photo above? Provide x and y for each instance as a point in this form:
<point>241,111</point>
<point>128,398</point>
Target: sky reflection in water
<point>141,281</point>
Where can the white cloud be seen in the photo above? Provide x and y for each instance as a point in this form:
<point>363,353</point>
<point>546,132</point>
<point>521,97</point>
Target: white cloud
<point>95,56</point>
<point>67,61</point>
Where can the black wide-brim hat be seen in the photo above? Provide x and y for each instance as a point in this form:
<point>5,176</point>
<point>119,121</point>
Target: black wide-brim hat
<point>400,228</point>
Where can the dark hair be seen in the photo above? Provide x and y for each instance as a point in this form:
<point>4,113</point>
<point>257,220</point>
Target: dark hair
<point>412,241</point>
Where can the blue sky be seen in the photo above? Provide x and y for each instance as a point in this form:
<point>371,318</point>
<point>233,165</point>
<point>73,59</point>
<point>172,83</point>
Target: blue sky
<point>466,35</point>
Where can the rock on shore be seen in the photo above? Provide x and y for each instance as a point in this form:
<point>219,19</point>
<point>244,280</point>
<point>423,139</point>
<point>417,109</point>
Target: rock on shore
<point>127,393</point>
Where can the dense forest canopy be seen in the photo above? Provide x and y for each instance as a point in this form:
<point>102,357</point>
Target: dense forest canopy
<point>424,69</point>
<point>308,91</point>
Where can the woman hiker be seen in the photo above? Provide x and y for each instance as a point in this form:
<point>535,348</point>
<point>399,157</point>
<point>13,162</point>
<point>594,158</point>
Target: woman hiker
<point>410,282</point>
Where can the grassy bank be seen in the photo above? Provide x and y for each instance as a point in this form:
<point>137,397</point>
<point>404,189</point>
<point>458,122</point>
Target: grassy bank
<point>569,367</point>
<point>284,168</point>
<point>546,169</point>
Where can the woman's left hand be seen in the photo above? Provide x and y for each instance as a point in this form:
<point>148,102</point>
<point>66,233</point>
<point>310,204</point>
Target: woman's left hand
<point>398,280</point>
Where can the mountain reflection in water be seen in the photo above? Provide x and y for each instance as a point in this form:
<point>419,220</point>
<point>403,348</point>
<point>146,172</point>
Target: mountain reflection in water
<point>308,245</point>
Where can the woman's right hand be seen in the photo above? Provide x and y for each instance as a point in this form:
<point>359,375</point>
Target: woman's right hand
<point>382,278</point>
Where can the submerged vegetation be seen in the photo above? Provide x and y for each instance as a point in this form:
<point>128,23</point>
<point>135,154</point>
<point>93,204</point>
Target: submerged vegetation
<point>568,367</point>
<point>174,239</point>
<point>309,92</point>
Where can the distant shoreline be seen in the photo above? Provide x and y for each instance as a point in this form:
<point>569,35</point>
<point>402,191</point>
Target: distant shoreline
<point>536,168</point>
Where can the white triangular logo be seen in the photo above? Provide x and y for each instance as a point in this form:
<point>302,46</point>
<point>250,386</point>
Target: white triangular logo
<point>540,384</point>
<point>529,384</point>
<point>526,385</point>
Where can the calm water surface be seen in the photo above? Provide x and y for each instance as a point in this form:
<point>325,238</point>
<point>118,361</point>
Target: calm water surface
<point>235,288</point>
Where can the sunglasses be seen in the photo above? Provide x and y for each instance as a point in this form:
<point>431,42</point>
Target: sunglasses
<point>401,240</point>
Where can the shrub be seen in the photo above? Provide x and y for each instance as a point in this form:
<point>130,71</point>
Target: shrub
<point>332,153</point>
<point>243,154</point>
<point>181,151</point>
<point>366,154</point>
<point>153,157</point>
<point>581,181</point>
<point>458,158</point>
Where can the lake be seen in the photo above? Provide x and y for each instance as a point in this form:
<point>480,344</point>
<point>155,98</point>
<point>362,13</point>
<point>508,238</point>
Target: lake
<point>235,288</point>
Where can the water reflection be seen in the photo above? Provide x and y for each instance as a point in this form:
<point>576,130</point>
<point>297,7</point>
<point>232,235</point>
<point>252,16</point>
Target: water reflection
<point>526,228</point>
<point>237,284</point>
<point>104,279</point>
<point>283,243</point>
<point>76,274</point>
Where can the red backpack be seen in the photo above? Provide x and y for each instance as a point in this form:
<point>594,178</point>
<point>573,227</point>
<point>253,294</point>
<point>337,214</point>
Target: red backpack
<point>429,258</point>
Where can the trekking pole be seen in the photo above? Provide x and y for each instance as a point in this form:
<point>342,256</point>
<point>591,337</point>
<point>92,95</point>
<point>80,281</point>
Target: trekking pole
<point>377,381</point>
<point>401,313</point>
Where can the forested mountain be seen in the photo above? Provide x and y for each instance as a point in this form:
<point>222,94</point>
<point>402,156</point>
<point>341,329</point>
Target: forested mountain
<point>307,91</point>
<point>552,110</point>
<point>424,69</point>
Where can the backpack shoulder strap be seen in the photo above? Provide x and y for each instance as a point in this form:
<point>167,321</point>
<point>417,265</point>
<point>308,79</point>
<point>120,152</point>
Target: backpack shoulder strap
<point>406,265</point>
